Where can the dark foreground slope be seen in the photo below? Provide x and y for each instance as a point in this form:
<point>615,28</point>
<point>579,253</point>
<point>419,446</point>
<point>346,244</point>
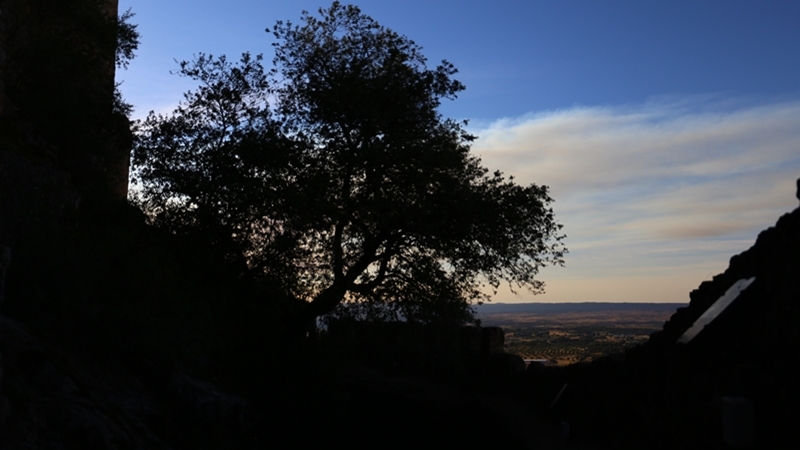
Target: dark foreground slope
<point>669,395</point>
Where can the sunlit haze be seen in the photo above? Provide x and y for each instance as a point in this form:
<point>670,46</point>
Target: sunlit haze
<point>668,132</point>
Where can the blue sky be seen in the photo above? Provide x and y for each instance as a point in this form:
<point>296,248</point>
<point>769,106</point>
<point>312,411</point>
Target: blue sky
<point>668,131</point>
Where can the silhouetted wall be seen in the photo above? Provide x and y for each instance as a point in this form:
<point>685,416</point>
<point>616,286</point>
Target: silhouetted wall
<point>62,91</point>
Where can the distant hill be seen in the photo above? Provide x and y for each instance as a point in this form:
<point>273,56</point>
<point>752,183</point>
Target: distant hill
<point>555,308</point>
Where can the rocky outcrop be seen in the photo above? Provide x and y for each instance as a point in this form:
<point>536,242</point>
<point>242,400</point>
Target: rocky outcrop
<point>3,100</point>
<point>763,317</point>
<point>35,200</point>
<point>48,400</point>
<point>671,394</point>
<point>85,136</point>
<point>44,407</point>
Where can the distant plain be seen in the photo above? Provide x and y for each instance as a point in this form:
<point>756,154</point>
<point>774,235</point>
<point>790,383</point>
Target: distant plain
<point>566,333</point>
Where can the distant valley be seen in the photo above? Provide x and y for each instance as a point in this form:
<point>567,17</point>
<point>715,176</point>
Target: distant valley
<point>565,333</point>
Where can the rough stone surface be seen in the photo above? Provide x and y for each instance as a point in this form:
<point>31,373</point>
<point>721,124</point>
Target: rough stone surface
<point>47,403</point>
<point>34,198</point>
<point>433,349</point>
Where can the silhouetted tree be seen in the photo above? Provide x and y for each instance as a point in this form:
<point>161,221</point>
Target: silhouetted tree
<point>351,187</point>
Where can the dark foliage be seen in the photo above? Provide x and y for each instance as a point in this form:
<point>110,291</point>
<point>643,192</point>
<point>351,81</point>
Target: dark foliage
<point>350,187</point>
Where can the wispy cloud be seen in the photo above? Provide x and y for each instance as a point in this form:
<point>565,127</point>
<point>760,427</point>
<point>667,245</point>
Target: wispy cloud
<point>670,188</point>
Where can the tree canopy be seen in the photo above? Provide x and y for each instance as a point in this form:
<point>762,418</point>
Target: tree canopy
<point>335,177</point>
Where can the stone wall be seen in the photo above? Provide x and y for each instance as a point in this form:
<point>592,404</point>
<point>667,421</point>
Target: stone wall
<point>38,193</point>
<point>2,62</point>
<point>108,156</point>
<point>432,349</point>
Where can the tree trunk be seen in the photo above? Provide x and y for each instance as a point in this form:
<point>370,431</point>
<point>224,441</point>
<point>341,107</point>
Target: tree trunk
<point>306,321</point>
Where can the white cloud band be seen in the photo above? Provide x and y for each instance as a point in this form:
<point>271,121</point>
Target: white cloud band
<point>674,186</point>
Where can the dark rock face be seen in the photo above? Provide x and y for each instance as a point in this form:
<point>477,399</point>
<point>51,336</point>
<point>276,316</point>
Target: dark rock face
<point>43,406</point>
<point>68,118</point>
<point>671,395</point>
<point>34,198</point>
<point>766,306</point>
<point>46,402</point>
<point>3,100</point>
